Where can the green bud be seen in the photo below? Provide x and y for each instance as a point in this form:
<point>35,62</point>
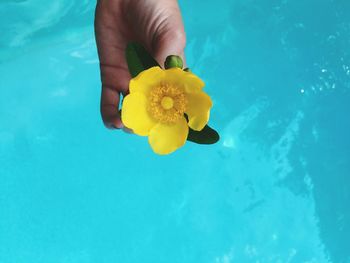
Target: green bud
<point>187,70</point>
<point>173,62</point>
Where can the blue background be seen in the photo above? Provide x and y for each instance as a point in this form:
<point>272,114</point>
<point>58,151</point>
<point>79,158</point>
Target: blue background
<point>274,189</point>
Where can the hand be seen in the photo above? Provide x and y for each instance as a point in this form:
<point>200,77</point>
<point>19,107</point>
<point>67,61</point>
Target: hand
<point>156,24</point>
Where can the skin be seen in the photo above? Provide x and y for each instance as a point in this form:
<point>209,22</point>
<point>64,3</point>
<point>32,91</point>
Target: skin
<point>156,24</point>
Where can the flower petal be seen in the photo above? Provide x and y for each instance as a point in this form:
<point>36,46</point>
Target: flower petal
<point>147,79</point>
<point>198,110</point>
<point>179,77</point>
<point>165,138</point>
<point>135,115</point>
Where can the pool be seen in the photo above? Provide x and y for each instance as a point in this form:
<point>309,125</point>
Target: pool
<point>274,189</point>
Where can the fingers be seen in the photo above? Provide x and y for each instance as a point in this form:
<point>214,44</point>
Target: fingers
<point>114,73</point>
<point>109,108</point>
<point>115,81</point>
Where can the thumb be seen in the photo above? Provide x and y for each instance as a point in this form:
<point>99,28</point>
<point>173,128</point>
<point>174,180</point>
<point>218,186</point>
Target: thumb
<point>169,38</point>
<point>172,43</point>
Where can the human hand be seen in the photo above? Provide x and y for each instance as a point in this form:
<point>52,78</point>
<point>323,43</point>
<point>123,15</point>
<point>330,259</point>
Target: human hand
<point>156,24</point>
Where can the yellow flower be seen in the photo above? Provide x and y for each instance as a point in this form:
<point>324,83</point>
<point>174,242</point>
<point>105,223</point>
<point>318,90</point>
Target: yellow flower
<point>157,103</point>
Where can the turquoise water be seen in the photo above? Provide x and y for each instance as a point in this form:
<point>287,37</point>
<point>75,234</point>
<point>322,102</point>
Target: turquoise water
<point>274,189</point>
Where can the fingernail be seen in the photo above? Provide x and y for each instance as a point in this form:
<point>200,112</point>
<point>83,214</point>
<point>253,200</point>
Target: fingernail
<point>127,130</point>
<point>114,126</point>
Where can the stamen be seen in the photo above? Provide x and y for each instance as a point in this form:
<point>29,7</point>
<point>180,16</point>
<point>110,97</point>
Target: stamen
<point>167,103</point>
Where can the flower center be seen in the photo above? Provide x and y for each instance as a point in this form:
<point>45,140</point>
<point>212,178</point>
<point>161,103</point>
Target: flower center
<point>167,103</point>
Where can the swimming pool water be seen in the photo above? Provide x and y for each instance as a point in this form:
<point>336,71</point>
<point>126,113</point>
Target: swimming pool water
<point>274,189</point>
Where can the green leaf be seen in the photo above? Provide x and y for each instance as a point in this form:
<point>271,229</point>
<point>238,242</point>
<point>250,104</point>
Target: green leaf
<point>205,136</point>
<point>138,59</point>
